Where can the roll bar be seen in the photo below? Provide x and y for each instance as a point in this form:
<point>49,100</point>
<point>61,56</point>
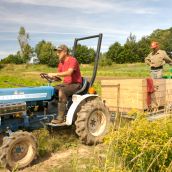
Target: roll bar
<point>99,36</point>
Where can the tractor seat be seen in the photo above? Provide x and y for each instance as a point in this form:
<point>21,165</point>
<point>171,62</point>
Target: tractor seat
<point>84,88</point>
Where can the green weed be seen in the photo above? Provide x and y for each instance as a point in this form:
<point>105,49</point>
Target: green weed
<point>141,146</point>
<point>57,140</point>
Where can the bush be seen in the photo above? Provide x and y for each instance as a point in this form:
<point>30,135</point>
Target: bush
<point>48,143</point>
<point>1,66</point>
<point>105,62</point>
<point>142,145</point>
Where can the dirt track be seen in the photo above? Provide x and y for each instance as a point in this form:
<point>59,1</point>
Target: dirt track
<point>60,161</point>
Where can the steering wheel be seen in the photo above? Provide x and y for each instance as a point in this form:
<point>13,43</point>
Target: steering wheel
<point>48,78</point>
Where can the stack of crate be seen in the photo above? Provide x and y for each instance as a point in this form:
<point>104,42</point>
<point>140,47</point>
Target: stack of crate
<point>169,92</point>
<point>158,98</point>
<point>127,94</point>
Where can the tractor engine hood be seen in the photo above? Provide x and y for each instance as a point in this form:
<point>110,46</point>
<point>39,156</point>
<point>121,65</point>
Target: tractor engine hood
<point>26,94</point>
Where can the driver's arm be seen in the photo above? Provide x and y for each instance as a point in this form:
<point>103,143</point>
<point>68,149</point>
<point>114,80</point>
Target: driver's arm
<point>62,74</point>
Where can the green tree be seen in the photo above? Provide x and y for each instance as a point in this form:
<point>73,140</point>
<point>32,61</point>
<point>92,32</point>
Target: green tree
<point>45,53</point>
<point>143,48</point>
<point>26,50</point>
<point>164,37</point>
<point>14,59</point>
<point>104,61</point>
<point>114,51</point>
<point>84,54</point>
<point>27,53</point>
<point>23,38</point>
<point>130,49</point>
<point>130,52</point>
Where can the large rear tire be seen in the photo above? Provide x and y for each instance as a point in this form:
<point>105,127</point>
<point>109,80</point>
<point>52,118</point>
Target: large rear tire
<point>93,121</point>
<point>18,150</point>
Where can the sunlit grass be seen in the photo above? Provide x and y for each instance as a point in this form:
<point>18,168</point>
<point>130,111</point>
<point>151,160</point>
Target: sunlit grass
<point>28,75</point>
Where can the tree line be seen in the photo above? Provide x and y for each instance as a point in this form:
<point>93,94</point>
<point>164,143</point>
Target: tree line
<point>132,51</point>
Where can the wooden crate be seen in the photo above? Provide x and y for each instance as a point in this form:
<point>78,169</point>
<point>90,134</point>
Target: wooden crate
<point>132,94</point>
<point>127,94</point>
<point>158,98</point>
<point>168,91</point>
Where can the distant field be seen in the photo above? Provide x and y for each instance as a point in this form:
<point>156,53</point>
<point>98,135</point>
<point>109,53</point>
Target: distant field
<point>28,75</point>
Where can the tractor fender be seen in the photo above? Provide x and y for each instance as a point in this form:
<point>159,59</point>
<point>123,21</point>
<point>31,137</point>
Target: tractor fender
<point>77,100</point>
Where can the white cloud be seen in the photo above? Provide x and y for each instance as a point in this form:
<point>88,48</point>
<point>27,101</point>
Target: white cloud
<point>79,23</point>
<point>59,20</point>
<point>88,5</point>
<point>87,26</point>
<point>92,6</point>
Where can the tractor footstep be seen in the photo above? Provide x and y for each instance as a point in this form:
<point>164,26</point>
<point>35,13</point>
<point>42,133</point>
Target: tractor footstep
<point>56,125</point>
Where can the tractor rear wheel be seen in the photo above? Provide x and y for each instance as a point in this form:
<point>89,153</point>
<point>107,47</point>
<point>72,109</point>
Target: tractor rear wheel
<point>92,122</point>
<point>18,150</point>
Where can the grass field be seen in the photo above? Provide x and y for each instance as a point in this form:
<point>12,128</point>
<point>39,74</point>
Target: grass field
<point>28,75</point>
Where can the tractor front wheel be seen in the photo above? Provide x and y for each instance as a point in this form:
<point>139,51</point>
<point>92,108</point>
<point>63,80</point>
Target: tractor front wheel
<point>92,122</point>
<point>18,150</point>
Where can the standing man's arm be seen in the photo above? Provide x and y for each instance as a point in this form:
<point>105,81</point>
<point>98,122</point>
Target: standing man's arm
<point>167,59</point>
<point>147,60</point>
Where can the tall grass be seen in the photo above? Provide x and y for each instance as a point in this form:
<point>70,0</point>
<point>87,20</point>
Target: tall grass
<point>139,146</point>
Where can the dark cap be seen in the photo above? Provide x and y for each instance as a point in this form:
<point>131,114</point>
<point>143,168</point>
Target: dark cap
<point>61,48</point>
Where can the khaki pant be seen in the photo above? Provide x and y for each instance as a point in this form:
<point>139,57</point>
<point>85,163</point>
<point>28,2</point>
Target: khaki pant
<point>67,90</point>
<point>156,74</point>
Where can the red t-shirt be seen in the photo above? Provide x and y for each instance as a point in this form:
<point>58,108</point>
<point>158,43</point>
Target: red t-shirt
<point>76,75</point>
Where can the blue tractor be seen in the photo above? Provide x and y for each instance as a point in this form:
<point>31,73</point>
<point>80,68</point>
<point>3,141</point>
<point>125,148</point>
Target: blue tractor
<point>29,108</point>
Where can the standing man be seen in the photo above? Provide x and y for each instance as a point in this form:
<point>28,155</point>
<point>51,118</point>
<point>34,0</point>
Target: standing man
<point>156,59</point>
<point>68,68</point>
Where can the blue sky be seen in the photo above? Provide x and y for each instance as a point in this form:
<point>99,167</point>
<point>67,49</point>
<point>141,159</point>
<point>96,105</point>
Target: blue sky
<point>60,21</point>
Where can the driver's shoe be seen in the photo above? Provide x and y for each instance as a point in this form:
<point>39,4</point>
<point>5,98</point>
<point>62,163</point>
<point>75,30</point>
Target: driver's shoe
<point>61,112</point>
<point>57,121</point>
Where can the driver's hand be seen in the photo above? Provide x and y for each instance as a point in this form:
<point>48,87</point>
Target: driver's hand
<point>56,78</point>
<point>51,75</point>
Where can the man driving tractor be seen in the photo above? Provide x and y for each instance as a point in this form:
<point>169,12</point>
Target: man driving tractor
<point>68,68</point>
